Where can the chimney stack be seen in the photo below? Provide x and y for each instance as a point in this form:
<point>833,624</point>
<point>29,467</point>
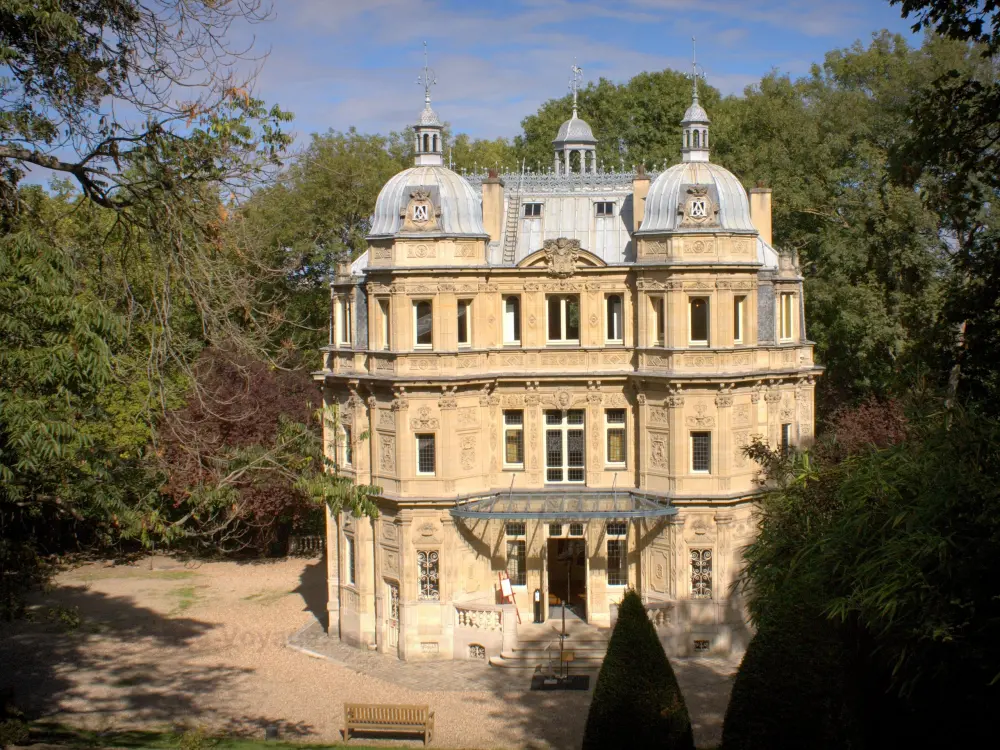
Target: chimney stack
<point>640,189</point>
<point>760,211</point>
<point>493,205</point>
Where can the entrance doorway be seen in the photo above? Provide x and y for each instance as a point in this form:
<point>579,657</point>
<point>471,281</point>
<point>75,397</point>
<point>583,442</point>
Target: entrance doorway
<point>567,579</point>
<point>392,616</point>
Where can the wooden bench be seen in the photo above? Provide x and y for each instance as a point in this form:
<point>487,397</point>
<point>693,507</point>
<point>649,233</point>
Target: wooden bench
<point>371,717</point>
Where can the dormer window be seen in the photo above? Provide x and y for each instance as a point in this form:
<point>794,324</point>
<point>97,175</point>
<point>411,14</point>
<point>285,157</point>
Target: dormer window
<point>532,210</point>
<point>605,209</point>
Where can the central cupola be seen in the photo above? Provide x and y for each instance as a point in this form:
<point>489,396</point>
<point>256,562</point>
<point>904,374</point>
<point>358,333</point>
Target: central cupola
<point>695,125</point>
<point>575,137</point>
<point>428,147</point>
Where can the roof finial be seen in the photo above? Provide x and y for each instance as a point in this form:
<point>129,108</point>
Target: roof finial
<point>694,67</point>
<point>574,83</point>
<point>427,79</point>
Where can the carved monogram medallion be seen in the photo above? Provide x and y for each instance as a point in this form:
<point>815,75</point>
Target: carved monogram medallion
<point>421,215</point>
<point>699,209</point>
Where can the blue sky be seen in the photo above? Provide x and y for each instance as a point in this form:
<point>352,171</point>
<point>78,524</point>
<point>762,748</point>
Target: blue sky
<point>337,63</point>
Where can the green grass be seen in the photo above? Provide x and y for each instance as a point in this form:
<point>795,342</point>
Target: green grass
<point>187,597</point>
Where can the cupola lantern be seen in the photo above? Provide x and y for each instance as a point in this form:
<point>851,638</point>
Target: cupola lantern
<point>428,144</point>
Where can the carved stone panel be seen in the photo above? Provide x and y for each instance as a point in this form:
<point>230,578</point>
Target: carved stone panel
<point>387,453</point>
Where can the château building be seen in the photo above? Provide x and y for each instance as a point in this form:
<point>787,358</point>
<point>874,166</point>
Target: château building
<point>551,377</point>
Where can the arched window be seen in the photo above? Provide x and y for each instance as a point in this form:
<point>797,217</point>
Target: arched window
<point>687,139</point>
<point>614,318</point>
<point>696,140</point>
<point>512,320</point>
<point>427,142</point>
<point>435,144</point>
<point>704,138</point>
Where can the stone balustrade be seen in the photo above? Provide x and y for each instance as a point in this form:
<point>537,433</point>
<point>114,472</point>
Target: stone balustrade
<point>480,618</point>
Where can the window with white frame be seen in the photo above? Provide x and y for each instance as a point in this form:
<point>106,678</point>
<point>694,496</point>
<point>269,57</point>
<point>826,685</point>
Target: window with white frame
<point>659,313</point>
<point>516,554</point>
<point>348,446</point>
<point>604,209</point>
<point>464,322</point>
<point>617,546</point>
<point>383,314</point>
<point>344,321</point>
<point>614,333</point>
<point>423,324</point>
<point>701,452</point>
<point>786,438</point>
<point>426,454</point>
<point>513,439</point>
<point>350,561</point>
<point>564,446</point>
<point>614,436</point>
<point>564,318</point>
<point>787,305</point>
<point>512,320</point>
<point>532,210</point>
<point>739,305</point>
<point>698,321</point>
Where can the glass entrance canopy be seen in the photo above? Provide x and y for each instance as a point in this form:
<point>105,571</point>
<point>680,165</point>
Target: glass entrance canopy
<point>565,506</point>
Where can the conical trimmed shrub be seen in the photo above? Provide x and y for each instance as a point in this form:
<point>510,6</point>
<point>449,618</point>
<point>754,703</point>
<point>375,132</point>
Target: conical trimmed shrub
<point>637,701</point>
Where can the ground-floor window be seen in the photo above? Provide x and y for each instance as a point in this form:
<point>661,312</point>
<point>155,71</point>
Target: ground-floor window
<point>351,560</point>
<point>428,571</point>
<point>564,446</point>
<point>701,574</point>
<point>617,550</point>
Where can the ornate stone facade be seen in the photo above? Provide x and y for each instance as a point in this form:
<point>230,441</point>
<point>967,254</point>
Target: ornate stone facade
<point>570,367</point>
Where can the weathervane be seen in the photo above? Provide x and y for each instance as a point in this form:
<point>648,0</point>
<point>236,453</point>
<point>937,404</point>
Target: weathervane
<point>694,67</point>
<point>427,79</point>
<point>574,83</point>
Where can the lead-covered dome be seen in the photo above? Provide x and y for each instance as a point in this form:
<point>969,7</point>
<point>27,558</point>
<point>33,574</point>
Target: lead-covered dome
<point>669,193</point>
<point>461,210</point>
<point>575,130</point>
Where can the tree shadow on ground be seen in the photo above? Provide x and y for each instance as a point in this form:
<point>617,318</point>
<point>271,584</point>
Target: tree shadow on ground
<point>313,590</point>
<point>113,663</point>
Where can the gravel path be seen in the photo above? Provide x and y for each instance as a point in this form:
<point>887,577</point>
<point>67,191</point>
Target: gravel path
<point>162,644</point>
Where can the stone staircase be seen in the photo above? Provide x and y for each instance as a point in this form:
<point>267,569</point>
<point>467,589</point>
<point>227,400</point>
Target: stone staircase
<point>537,647</point>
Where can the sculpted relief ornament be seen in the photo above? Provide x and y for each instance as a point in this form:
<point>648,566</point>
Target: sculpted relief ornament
<point>699,209</point>
<point>421,215</point>
<point>560,256</point>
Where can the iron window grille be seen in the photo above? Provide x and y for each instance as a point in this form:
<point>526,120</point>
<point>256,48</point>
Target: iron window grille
<point>701,574</point>
<point>426,459</point>
<point>428,572</point>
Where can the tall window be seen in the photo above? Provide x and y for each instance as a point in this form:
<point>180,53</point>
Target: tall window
<point>564,318</point>
<point>786,439</point>
<point>614,431</point>
<point>344,322</point>
<point>659,312</point>
<point>350,561</point>
<point>516,554</point>
<point>701,452</point>
<point>513,439</point>
<point>701,574</point>
<point>512,320</point>
<point>383,312</point>
<point>426,459</point>
<point>423,324</point>
<point>464,322</point>
<point>348,446</point>
<point>564,446</point>
<point>786,316</point>
<point>739,303</point>
<point>617,549</point>
<point>428,572</point>
<point>698,321</point>
<point>614,319</point>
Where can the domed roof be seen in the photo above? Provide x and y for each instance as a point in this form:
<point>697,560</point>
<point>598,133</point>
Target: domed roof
<point>428,117</point>
<point>575,130</point>
<point>461,208</point>
<point>695,113</point>
<point>667,197</point>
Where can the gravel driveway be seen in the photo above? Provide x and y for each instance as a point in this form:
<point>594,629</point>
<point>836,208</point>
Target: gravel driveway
<point>164,644</point>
